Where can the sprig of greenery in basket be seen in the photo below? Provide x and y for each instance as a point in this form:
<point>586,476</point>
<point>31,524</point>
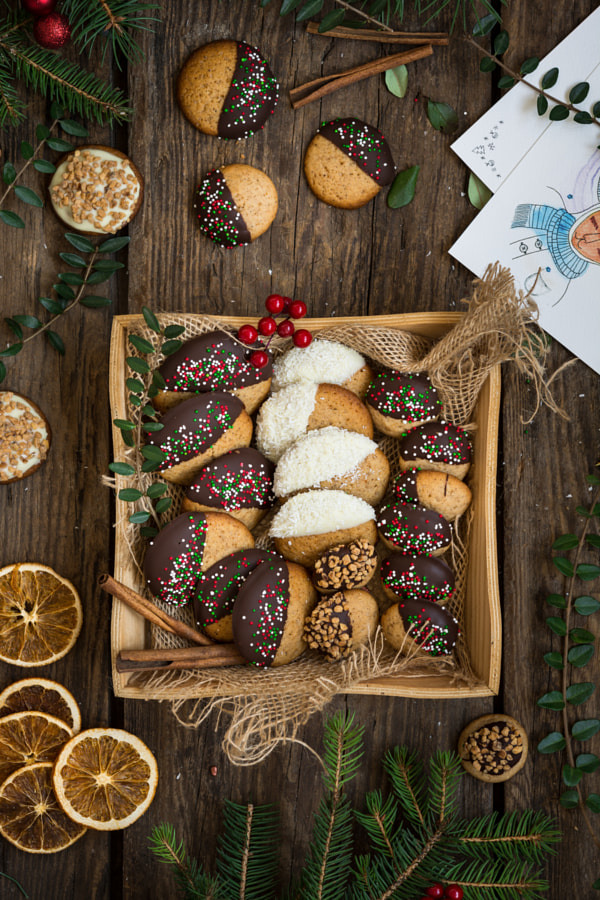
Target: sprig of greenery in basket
<point>416,835</point>
<point>577,650</point>
<point>144,384</point>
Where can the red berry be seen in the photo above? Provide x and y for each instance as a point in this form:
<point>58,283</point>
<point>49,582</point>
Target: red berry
<point>275,303</point>
<point>436,891</point>
<point>267,325</point>
<point>285,328</point>
<point>248,334</point>
<point>302,338</point>
<point>259,359</point>
<point>297,309</point>
<point>454,892</point>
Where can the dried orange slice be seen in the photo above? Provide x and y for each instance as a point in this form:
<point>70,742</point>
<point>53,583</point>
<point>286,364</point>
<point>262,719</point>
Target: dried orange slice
<point>105,778</point>
<point>41,695</point>
<point>30,816</point>
<point>40,615</point>
<point>30,737</point>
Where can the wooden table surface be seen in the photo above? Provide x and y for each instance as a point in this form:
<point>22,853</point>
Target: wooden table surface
<point>372,261</point>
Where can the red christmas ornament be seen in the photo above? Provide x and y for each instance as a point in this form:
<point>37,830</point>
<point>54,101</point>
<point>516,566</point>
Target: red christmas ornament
<point>39,7</point>
<point>52,31</point>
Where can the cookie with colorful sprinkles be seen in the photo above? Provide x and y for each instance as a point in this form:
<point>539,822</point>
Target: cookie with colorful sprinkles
<point>399,401</point>
<point>418,628</point>
<point>235,205</point>
<point>413,529</point>
<point>227,89</point>
<point>348,162</point>
<point>419,577</point>
<point>436,445</point>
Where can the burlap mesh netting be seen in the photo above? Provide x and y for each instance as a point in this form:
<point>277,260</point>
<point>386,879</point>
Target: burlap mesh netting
<point>264,707</point>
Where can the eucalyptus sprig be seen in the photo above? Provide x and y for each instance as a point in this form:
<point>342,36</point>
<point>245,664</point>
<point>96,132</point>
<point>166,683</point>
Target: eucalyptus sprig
<point>69,289</point>
<point>144,384</point>
<point>577,651</point>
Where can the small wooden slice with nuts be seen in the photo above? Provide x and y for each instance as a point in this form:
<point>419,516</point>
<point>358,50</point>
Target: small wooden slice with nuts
<point>493,748</point>
<point>96,189</point>
<point>25,437</point>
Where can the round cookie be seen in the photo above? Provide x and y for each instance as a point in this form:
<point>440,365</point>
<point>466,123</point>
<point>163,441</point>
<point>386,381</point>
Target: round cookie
<point>96,189</point>
<point>333,459</point>
<point>418,628</point>
<point>186,547</point>
<point>235,205</point>
<point>214,361</point>
<point>340,624</point>
<point>348,162</point>
<point>323,361</point>
<point>436,445</point>
<point>197,431</point>
<point>25,437</point>
<point>423,578</point>
<point>302,407</point>
<point>345,567</point>
<point>399,401</point>
<point>413,530</point>
<point>445,493</point>
<point>310,523</point>
<point>239,483</point>
<point>269,613</point>
<point>216,589</point>
<point>227,89</point>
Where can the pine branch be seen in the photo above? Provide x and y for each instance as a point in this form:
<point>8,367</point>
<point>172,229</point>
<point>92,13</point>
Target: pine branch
<point>445,773</point>
<point>112,20</point>
<point>531,834</point>
<point>189,878</point>
<point>11,106</point>
<point>490,880</point>
<point>247,857</point>
<point>379,821</point>
<point>408,782</point>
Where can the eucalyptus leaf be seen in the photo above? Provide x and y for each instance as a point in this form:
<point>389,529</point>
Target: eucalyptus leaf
<point>557,625</point>
<point>501,42</point>
<point>56,341</point>
<point>149,451</point>
<point>26,150</point>
<point>74,128</point>
<point>28,321</point>
<point>140,343</point>
<point>583,118</point>
<point>135,400</point>
<point>113,244</point>
<point>556,600</point>
<point>150,427</point>
<point>587,762</point>
<point>396,81</point>
<point>583,512</point>
<point>593,802</point>
<point>59,145</point>
<point>2,372</point>
<point>94,302</point>
<point>137,518</point>
<point>12,350</point>
<point>332,20</point>
<point>554,660</point>
<point>150,319</point>
<point>73,259</point>
<point>135,385</point>
<point>173,331</point>
<point>129,439</point>
<point>150,465</point>
<point>569,800</point>
<point>42,132</point>
<point>585,729</point>
<point>310,9</point>
<point>98,277</point>
<point>477,191</point>
<point>593,540</point>
<point>64,291</point>
<point>558,113</point>
<point>158,380</point>
<point>15,328</point>
<point>596,109</point>
<point>123,424</point>
<point>564,566</point>
<point>44,166</point>
<point>542,105</point>
<point>529,65</point>
<point>9,173</point>
<point>152,532</point>
<point>588,572</point>
<point>571,775</point>
<point>149,410</point>
<point>506,82</point>
<point>164,504</point>
<point>81,243</point>
<point>11,218</point>
<point>288,5</point>
<point>170,347</point>
<point>108,265</point>
<point>130,495</point>
<point>552,700</point>
<point>552,743</point>
<point>578,93</point>
<point>138,365</point>
<point>71,278</point>
<point>484,25</point>
<point>581,636</point>
<point>403,188</point>
<point>580,655</point>
<point>550,79</point>
<point>566,542</point>
<point>56,110</point>
<point>487,65</point>
<point>580,692</point>
<point>121,468</point>
<point>442,116</point>
<point>52,306</point>
<point>157,489</point>
<point>585,606</point>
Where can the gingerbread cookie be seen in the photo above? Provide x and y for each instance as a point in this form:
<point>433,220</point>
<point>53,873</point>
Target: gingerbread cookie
<point>323,361</point>
<point>419,628</point>
<point>417,577</point>
<point>399,401</point>
<point>340,624</point>
<point>436,445</point>
<point>235,205</point>
<point>413,529</point>
<point>445,493</point>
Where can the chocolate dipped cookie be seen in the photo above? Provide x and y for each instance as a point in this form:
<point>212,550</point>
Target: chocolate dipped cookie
<point>235,205</point>
<point>445,493</point>
<point>416,627</point>
<point>399,401</point>
<point>422,578</point>
<point>413,530</point>
<point>340,624</point>
<point>436,445</point>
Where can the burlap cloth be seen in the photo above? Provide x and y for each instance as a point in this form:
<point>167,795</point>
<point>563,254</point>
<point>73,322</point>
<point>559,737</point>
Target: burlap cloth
<point>264,707</point>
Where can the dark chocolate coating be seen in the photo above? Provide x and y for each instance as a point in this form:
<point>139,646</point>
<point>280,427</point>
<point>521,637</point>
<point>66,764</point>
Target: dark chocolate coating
<point>216,589</point>
<point>413,529</point>
<point>252,95</point>
<point>405,487</point>
<point>418,577</point>
<point>364,144</point>
<point>433,628</point>
<point>436,441</point>
<point>410,397</point>
<point>241,479</point>
<point>217,212</point>
<point>260,612</point>
<point>212,362</point>
<point>194,426</point>
<point>174,559</point>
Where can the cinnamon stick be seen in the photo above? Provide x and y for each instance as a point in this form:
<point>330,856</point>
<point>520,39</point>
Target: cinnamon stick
<point>439,38</point>
<point>179,658</point>
<point>357,73</point>
<point>151,612</point>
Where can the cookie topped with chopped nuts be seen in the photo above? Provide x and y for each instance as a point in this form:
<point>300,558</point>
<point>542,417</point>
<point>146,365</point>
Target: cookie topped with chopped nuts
<point>345,566</point>
<point>24,437</point>
<point>341,623</point>
<point>96,189</point>
<point>493,748</point>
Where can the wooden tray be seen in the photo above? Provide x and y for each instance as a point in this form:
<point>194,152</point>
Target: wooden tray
<point>482,618</point>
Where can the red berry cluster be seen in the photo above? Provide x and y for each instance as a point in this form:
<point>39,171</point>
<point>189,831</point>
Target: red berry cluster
<point>267,326</point>
<point>439,892</point>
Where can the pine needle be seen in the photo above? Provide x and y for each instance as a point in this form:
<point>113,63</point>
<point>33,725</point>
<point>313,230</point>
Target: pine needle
<point>114,20</point>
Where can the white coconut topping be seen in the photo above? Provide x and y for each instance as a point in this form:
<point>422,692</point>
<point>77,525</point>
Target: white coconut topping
<point>320,456</point>
<point>317,512</point>
<point>321,361</point>
<point>283,418</point>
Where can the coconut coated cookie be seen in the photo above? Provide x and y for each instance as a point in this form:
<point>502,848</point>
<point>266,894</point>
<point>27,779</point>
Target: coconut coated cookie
<point>436,445</point>
<point>435,490</point>
<point>227,89</point>
<point>399,401</point>
<point>235,205</point>
<point>323,361</point>
<point>341,623</point>
<point>417,577</point>
<point>344,567</point>
<point>214,361</point>
<point>348,162</point>
<point>419,628</point>
<point>25,437</point>
<point>413,529</point>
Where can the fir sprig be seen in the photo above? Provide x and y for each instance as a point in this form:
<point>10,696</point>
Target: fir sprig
<point>190,879</point>
<point>113,21</point>
<point>247,855</point>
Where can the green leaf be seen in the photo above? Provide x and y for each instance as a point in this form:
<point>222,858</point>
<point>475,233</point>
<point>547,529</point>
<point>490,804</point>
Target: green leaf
<point>152,391</point>
<point>56,341</point>
<point>42,132</point>
<point>558,113</point>
<point>130,495</point>
<point>11,351</point>
<point>15,328</point>
<point>506,82</point>
<point>583,118</point>
<point>98,277</point>
<point>135,385</point>
<point>157,489</point>
<point>587,762</point>
<point>570,799</point>
<point>135,400</point>
<point>83,244</point>
<point>72,278</point>
<point>150,465</point>
<point>149,410</point>
<point>93,302</point>
<point>11,218</point>
<point>487,65</point>
<point>44,166</point>
<point>138,365</point>
<point>124,424</point>
<point>484,25</point>
<point>128,438</point>
<point>64,291</point>
<point>583,512</point>
<point>581,636</point>
<point>585,729</point>
<point>152,532</point>
<point>158,380</point>
<point>173,331</point>
<point>56,110</point>
<point>578,93</point>
<point>51,305</point>
<point>553,700</point>
<point>140,344</point>
<point>170,347</point>
<point>442,116</point>
<point>138,518</point>
<point>557,625</point>
<point>550,79</point>
<point>571,776</point>
<point>151,320</point>
<point>74,128</point>
<point>155,454</point>
<point>164,504</point>
<point>310,9</point>
<point>529,65</point>
<point>554,660</point>
<point>396,81</point>
<point>566,542</point>
<point>108,265</point>
<point>287,6</point>
<point>596,109</point>
<point>580,692</point>
<point>59,144</point>
<point>593,802</point>
<point>9,173</point>
<point>478,192</point>
<point>26,150</point>
<point>151,427</point>
<point>580,655</point>
<point>564,566</point>
<point>28,321</point>
<point>113,244</point>
<point>552,743</point>
<point>593,540</point>
<point>403,188</point>
<point>588,572</point>
<point>585,606</point>
<point>2,372</point>
<point>501,42</point>
<point>556,600</point>
<point>332,20</point>
<point>121,468</point>
<point>73,259</point>
<point>542,105</point>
